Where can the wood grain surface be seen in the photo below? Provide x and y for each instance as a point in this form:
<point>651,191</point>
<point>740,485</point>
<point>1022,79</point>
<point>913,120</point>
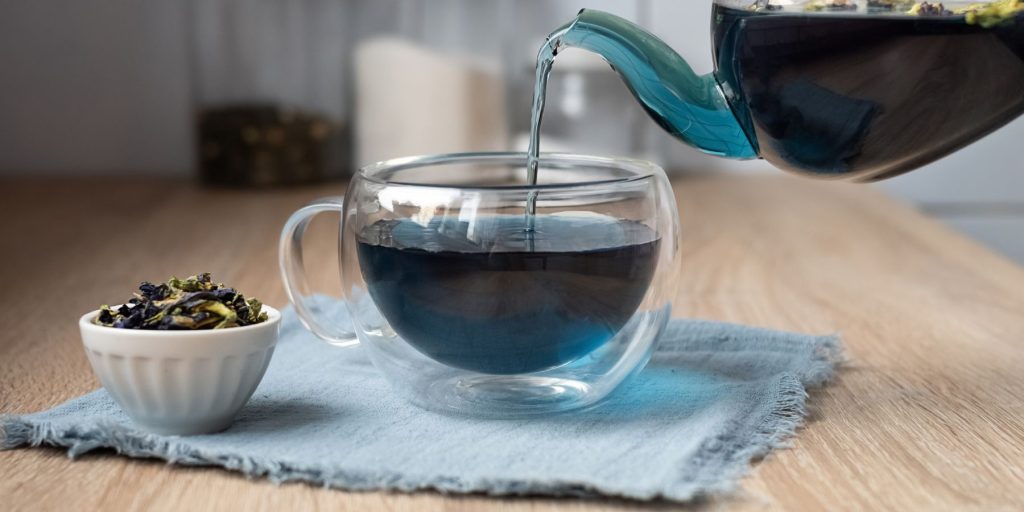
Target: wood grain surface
<point>927,415</point>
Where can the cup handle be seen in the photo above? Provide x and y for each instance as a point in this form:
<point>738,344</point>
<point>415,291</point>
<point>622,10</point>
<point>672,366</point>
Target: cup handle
<point>294,274</point>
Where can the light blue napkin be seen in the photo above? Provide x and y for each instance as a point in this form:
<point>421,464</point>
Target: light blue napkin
<point>713,397</point>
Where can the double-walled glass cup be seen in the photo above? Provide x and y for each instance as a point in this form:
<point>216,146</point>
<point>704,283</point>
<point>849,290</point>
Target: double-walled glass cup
<point>468,305</point>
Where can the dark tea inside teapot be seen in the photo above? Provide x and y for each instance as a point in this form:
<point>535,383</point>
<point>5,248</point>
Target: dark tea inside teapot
<point>861,90</point>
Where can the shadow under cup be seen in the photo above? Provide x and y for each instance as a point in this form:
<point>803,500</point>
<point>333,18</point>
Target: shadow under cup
<point>469,305</point>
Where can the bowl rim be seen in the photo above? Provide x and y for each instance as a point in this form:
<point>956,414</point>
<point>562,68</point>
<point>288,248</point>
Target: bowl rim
<point>85,323</point>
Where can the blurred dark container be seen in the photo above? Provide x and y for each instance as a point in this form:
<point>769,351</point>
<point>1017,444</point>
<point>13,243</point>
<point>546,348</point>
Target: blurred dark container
<point>270,91</point>
<point>265,144</point>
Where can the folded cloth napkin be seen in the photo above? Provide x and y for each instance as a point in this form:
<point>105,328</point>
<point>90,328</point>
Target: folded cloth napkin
<point>713,397</point>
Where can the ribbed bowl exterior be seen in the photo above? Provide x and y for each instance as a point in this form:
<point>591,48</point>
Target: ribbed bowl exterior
<point>181,383</point>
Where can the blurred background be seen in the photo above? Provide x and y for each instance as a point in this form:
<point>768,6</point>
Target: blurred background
<point>269,92</point>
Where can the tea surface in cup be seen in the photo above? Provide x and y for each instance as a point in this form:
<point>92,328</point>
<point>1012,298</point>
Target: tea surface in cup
<point>489,297</point>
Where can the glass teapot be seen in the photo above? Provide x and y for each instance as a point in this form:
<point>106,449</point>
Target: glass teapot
<point>861,90</point>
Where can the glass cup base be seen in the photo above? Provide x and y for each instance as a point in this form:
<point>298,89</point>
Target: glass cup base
<point>508,396</point>
<point>579,384</point>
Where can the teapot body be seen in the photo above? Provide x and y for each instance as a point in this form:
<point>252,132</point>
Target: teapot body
<point>827,88</point>
<point>866,95</point>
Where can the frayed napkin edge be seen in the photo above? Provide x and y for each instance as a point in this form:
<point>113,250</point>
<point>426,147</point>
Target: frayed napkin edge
<point>774,432</point>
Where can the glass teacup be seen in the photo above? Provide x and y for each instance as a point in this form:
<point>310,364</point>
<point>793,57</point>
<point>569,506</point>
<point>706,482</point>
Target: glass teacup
<point>466,304</point>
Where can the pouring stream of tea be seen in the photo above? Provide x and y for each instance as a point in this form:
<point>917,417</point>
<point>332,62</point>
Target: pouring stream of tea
<point>545,59</point>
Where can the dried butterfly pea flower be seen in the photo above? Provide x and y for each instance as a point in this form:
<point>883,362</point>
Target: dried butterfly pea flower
<point>929,9</point>
<point>993,13</point>
<point>183,304</point>
<point>890,5</point>
<point>831,5</point>
<point>765,5</point>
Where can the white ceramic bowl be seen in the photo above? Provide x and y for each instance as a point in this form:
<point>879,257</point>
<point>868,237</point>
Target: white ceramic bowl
<point>181,382</point>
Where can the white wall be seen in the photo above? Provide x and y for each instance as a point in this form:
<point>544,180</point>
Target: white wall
<point>94,87</point>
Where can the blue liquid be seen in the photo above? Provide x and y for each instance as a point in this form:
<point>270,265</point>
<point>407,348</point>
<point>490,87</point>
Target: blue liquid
<point>688,106</point>
<point>492,298</point>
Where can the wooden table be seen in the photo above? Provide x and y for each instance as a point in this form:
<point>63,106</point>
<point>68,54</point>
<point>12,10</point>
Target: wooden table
<point>928,414</point>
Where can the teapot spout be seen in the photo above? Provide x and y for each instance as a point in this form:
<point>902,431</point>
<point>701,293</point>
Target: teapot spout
<point>691,107</point>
